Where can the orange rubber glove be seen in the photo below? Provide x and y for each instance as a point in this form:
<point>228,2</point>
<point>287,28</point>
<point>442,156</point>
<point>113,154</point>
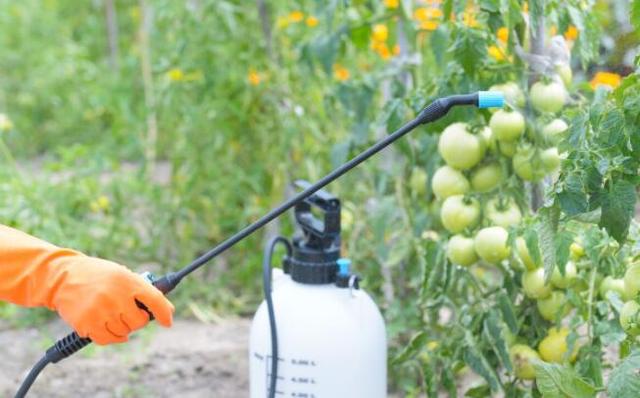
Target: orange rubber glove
<point>95,297</point>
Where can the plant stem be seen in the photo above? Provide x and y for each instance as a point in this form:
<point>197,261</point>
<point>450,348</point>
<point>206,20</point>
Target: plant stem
<point>149,96</point>
<point>112,32</point>
<point>592,284</point>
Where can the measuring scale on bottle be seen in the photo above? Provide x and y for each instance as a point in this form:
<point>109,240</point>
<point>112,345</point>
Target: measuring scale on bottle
<point>296,377</point>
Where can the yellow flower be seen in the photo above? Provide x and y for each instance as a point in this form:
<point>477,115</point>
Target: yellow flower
<point>175,74</point>
<point>496,53</point>
<point>423,13</point>
<point>571,33</point>
<point>340,72</point>
<point>429,25</point>
<point>432,345</point>
<point>312,21</point>
<point>606,79</point>
<point>296,16</point>
<point>525,7</point>
<point>553,30</point>
<point>254,78</point>
<point>391,3</point>
<point>503,34</point>
<point>396,49</point>
<point>102,203</point>
<point>380,32</point>
<point>5,123</point>
<point>384,52</point>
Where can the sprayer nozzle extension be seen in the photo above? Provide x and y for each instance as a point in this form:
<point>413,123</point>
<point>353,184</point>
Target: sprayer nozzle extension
<point>490,99</point>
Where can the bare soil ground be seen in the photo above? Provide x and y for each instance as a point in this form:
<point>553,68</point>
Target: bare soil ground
<point>190,360</point>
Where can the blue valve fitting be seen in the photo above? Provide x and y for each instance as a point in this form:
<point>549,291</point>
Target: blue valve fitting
<point>344,265</point>
<point>490,99</point>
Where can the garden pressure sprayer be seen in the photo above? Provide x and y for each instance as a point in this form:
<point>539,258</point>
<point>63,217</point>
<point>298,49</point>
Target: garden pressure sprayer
<point>332,336</point>
<point>72,343</point>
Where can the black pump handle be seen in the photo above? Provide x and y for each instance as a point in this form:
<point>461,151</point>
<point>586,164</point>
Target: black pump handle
<point>326,229</point>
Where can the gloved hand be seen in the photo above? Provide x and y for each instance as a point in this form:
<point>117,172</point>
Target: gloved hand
<point>97,298</point>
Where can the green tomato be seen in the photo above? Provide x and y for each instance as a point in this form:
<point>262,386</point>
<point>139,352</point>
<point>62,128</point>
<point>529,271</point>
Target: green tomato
<point>524,254</point>
<point>506,125</point>
<point>459,148</point>
<point>487,177</point>
<point>632,281</point>
<point>610,284</point>
<point>554,346</point>
<point>547,97</point>
<point>550,159</point>
<point>460,250</point>
<point>522,356</point>
<point>630,318</point>
<point>550,307</point>
<point>563,281</point>
<point>491,244</point>
<point>448,181</point>
<point>528,165</point>
<point>487,138</point>
<point>565,73</point>
<point>576,250</point>
<point>554,130</point>
<point>508,148</point>
<point>418,181</point>
<point>503,213</point>
<point>459,213</point>
<point>534,286</point>
<point>512,93</point>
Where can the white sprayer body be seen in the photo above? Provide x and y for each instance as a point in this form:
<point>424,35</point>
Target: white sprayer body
<point>332,343</point>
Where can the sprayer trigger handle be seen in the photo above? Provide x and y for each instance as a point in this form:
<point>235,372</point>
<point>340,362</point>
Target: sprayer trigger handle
<point>151,278</point>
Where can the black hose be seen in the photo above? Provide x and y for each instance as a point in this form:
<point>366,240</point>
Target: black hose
<point>31,377</point>
<point>266,281</point>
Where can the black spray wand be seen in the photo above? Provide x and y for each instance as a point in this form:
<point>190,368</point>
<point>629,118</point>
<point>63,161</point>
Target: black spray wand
<point>437,109</point>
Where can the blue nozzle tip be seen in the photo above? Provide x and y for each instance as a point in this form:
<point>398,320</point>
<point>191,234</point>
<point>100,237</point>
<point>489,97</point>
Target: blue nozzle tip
<point>343,266</point>
<point>490,99</point>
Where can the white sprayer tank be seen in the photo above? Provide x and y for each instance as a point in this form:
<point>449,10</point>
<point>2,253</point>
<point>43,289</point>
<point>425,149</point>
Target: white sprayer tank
<point>332,343</point>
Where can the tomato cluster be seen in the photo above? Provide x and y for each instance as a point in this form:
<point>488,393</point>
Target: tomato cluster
<point>483,163</point>
<point>479,160</point>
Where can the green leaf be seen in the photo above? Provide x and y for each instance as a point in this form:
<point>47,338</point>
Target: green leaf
<point>493,330</point>
<point>508,312</point>
<point>577,131</point>
<point>469,49</point>
<point>360,36</point>
<point>573,199</point>
<point>480,391</point>
<point>618,206</point>
<point>624,381</point>
<point>557,381</point>
<point>611,129</point>
<point>564,240</point>
<point>547,227</point>
<point>478,363</point>
<point>416,344</point>
<point>533,245</point>
<point>489,5</point>
<point>635,13</point>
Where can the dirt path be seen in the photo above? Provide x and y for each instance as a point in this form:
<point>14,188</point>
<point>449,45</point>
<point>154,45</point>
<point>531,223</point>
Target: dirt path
<point>190,360</point>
